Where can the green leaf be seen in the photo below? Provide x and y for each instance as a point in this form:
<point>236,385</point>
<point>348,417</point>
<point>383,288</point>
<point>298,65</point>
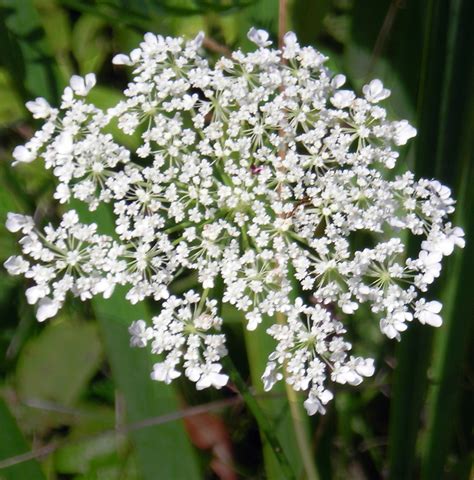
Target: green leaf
<point>307,17</point>
<point>12,443</point>
<point>82,457</point>
<point>24,51</point>
<point>93,448</point>
<point>58,364</point>
<point>57,28</point>
<point>11,109</point>
<point>89,44</point>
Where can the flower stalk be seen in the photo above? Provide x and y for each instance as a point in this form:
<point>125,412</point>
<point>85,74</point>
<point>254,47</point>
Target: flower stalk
<point>265,427</point>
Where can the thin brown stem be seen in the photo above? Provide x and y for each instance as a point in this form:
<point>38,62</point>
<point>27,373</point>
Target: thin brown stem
<point>384,33</point>
<point>282,21</point>
<point>213,46</point>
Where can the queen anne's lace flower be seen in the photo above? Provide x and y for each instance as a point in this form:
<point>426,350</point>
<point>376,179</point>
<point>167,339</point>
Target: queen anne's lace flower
<point>251,172</point>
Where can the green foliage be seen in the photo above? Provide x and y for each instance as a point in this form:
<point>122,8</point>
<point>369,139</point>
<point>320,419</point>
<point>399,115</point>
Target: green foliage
<point>24,51</point>
<point>74,380</point>
<point>72,350</point>
<point>12,443</point>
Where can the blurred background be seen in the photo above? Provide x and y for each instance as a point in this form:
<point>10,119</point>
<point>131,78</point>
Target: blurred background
<point>76,402</point>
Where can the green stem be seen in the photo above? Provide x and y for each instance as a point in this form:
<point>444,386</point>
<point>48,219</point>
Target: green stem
<point>202,301</point>
<point>264,425</point>
<point>304,445</point>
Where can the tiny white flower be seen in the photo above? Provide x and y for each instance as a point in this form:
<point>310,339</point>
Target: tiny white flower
<point>253,320</point>
<point>196,42</point>
<point>164,372</point>
<point>444,244</point>
<point>314,404</point>
<point>403,132</point>
<point>365,366</point>
<point>431,261</point>
<point>349,307</point>
<point>82,85</point>
<point>62,193</point>
<point>105,286</point>
<point>47,308</point>
<point>259,37</point>
<point>290,39</point>
<point>270,376</point>
<point>64,143</point>
<point>343,98</point>
<point>375,92</point>
<point>211,376</point>
<point>338,80</point>
<point>122,59</point>
<point>35,293</point>
<point>427,312</point>
<point>16,265</point>
<point>16,222</point>
<point>291,46</point>
<point>23,155</point>
<point>345,374</point>
<point>40,108</point>
<point>140,334</point>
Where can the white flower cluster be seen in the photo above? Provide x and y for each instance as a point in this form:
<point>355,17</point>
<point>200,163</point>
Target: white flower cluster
<point>255,172</point>
<point>181,331</point>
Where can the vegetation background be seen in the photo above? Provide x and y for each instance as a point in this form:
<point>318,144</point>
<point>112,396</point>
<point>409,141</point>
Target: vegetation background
<point>77,403</point>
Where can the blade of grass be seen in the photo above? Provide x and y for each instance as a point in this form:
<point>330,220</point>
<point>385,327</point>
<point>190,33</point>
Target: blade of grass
<point>408,394</point>
<point>415,351</point>
<point>12,443</point>
<point>259,346</point>
<point>455,143</point>
<point>450,353</point>
<point>265,425</point>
